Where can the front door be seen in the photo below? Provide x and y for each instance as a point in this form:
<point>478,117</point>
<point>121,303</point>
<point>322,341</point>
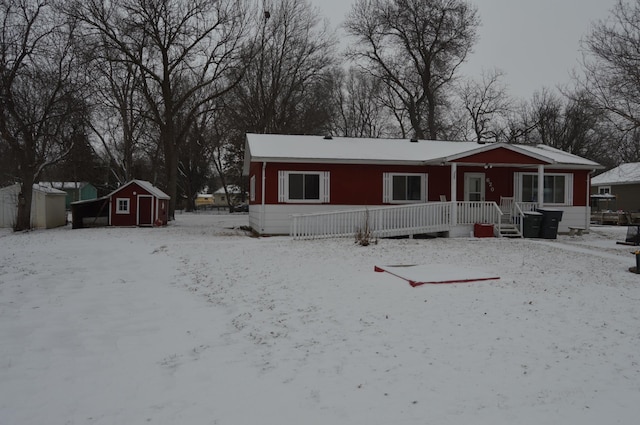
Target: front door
<point>145,210</point>
<point>474,187</point>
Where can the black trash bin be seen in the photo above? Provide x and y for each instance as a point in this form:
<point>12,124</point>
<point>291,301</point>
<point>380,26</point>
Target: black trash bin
<point>550,221</point>
<point>531,224</point>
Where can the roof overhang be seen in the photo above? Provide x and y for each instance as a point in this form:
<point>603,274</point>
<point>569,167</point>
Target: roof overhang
<point>334,161</point>
<point>614,183</point>
<point>493,146</point>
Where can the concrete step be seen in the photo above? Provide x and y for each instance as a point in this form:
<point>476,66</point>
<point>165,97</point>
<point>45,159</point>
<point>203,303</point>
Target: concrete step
<point>510,231</point>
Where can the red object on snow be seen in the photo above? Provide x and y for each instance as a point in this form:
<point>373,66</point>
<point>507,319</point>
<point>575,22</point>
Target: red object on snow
<point>417,275</point>
<point>483,230</point>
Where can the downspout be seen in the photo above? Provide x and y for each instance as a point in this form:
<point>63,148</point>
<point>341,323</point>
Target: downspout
<point>262,189</point>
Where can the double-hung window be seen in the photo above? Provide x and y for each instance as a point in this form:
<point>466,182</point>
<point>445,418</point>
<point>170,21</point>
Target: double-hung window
<point>122,206</point>
<point>303,186</point>
<point>404,187</point>
<point>558,188</point>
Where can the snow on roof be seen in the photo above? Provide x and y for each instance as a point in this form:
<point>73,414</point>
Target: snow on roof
<point>559,156</point>
<point>622,174</point>
<point>230,189</point>
<point>65,185</point>
<point>146,186</point>
<point>151,189</point>
<point>50,190</point>
<point>37,187</point>
<point>286,148</point>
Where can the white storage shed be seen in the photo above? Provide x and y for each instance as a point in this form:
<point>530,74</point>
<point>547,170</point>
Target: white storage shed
<point>47,206</point>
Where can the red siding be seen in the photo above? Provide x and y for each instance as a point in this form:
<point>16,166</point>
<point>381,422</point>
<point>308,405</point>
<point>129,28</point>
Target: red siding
<point>131,192</point>
<point>500,156</point>
<point>163,215</point>
<point>500,179</point>
<point>256,170</point>
<point>580,187</point>
<point>351,184</point>
<point>361,184</point>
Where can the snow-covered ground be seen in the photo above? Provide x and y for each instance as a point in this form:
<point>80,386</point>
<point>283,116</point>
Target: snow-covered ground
<point>198,323</point>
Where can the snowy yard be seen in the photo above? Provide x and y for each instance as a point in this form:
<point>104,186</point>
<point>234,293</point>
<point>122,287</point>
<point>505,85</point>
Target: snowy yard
<point>196,323</point>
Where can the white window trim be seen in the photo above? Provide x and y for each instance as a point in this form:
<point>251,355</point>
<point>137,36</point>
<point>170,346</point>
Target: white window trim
<point>252,188</point>
<point>128,203</point>
<point>604,190</point>
<point>568,187</point>
<point>387,188</point>
<point>283,187</point>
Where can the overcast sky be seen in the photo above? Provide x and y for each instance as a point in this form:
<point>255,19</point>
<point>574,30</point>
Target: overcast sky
<point>535,42</point>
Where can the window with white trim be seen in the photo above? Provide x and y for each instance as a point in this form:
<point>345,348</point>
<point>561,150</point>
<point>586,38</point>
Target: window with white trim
<point>122,206</point>
<point>604,190</point>
<point>558,188</point>
<point>252,188</point>
<point>404,187</point>
<point>303,186</point>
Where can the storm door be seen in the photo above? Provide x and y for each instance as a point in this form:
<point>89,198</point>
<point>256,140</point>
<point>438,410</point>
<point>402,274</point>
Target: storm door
<point>474,187</point>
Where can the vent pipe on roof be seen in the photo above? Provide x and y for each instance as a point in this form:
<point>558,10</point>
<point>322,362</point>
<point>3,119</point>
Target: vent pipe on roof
<point>328,137</point>
<point>413,140</point>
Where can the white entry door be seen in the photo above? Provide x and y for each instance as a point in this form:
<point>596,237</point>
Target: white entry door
<point>474,187</point>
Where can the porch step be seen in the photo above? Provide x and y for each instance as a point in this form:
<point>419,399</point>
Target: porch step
<point>509,231</point>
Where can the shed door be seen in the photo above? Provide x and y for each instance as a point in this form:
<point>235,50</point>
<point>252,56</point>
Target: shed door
<point>145,210</point>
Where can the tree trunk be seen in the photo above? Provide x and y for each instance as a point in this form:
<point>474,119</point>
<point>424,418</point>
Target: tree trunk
<point>432,124</point>
<point>169,142</point>
<point>23,218</point>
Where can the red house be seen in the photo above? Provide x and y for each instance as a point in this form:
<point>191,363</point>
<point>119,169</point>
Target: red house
<point>327,186</point>
<point>136,203</point>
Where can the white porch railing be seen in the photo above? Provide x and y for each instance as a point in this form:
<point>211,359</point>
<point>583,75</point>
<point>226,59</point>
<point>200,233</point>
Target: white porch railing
<point>517,212</point>
<point>478,212</point>
<point>391,221</point>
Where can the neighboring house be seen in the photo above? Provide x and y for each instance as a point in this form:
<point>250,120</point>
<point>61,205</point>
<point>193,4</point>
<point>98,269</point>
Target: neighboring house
<point>220,196</point>
<point>423,186</point>
<point>76,191</point>
<point>203,201</point>
<point>136,203</point>
<point>47,207</point>
<point>623,183</point>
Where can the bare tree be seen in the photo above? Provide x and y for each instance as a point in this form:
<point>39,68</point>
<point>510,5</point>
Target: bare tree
<point>416,48</point>
<point>120,123</point>
<point>182,49</point>
<point>359,106</point>
<point>627,148</point>
<point>611,64</point>
<point>569,122</point>
<point>485,102</point>
<point>197,155</point>
<point>547,114</point>
<point>283,88</point>
<point>41,108</point>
